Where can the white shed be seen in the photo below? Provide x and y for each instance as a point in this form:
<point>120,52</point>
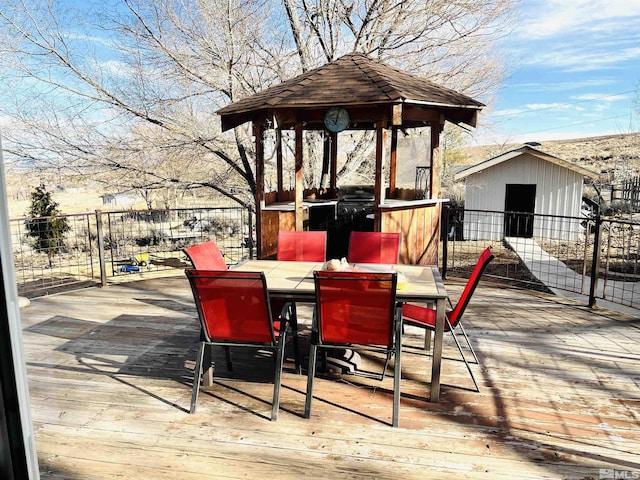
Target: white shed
<point>538,189</point>
<point>120,199</point>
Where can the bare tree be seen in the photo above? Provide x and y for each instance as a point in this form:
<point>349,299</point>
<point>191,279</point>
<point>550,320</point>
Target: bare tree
<point>128,93</point>
<point>450,42</point>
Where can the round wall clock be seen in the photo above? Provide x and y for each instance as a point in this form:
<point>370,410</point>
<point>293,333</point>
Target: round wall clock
<point>336,119</point>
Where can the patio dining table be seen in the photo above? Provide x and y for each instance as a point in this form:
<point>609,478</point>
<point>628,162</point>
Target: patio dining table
<point>294,281</point>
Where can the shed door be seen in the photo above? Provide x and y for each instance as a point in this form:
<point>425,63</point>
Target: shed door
<point>519,205</point>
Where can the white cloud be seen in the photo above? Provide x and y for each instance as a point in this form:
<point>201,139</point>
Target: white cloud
<point>91,39</point>
<point>529,108</point>
<point>577,35</point>
<point>583,57</point>
<point>116,67</point>
<point>509,111</point>
<point>544,106</point>
<point>603,98</point>
<point>537,86</point>
<point>5,122</point>
<point>578,69</point>
<point>550,18</point>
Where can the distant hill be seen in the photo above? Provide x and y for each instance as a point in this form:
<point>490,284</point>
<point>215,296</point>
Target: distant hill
<point>611,156</point>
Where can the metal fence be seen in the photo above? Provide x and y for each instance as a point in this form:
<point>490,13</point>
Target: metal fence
<point>96,247</point>
<point>591,256</point>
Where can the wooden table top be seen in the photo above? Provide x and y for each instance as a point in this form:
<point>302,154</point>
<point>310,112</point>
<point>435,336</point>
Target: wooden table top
<point>295,279</point>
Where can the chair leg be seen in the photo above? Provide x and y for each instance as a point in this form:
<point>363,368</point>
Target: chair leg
<point>227,354</point>
<point>473,352</point>
<point>294,331</point>
<point>427,339</point>
<point>455,338</point>
<point>311,373</point>
<point>275,404</point>
<point>290,314</point>
<point>197,373</point>
<point>324,368</point>
<point>397,370</point>
<point>386,363</point>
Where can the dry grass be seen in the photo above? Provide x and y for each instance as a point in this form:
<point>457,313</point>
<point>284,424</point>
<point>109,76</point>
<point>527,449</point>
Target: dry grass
<point>607,155</point>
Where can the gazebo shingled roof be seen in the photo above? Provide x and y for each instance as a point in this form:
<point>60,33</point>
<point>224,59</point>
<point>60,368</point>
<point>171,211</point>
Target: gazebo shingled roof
<point>352,80</point>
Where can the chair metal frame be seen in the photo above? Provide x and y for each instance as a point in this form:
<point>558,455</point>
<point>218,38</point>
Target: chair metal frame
<point>260,332</point>
<point>374,247</point>
<point>423,317</point>
<point>357,296</point>
<point>302,246</point>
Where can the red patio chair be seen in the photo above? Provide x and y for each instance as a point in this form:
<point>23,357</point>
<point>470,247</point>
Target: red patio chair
<point>426,317</point>
<point>206,256</point>
<point>299,246</point>
<point>374,247</point>
<point>356,310</point>
<point>234,310</point>
<point>302,246</point>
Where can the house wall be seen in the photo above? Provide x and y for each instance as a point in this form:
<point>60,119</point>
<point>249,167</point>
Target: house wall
<point>558,192</point>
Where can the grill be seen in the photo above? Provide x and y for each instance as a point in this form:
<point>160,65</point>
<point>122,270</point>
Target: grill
<point>355,202</point>
<point>354,211</point>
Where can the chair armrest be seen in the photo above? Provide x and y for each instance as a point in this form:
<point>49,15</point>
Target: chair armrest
<point>287,314</point>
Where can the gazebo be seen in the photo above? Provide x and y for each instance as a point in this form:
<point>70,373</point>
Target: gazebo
<point>353,92</point>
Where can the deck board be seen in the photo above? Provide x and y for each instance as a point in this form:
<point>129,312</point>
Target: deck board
<point>110,374</point>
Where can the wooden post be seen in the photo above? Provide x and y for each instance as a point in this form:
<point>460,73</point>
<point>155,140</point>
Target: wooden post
<point>436,157</point>
<point>299,189</point>
<point>436,169</point>
<point>258,130</point>
<point>393,155</point>
<point>100,235</point>
<point>396,122</point>
<point>279,164</point>
<point>333,138</point>
<point>381,133</point>
<point>326,161</point>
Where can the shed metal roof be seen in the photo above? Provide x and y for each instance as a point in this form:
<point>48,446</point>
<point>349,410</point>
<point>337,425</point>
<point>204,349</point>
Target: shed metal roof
<point>492,162</point>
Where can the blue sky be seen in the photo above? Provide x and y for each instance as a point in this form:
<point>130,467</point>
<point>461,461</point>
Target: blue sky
<point>574,72</point>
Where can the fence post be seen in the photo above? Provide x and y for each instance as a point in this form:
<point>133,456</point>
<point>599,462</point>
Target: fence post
<point>444,227</point>
<point>595,262</point>
<point>99,232</point>
<point>250,219</point>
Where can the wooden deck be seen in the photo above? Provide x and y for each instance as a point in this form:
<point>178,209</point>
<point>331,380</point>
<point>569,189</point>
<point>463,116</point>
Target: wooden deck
<point>110,374</point>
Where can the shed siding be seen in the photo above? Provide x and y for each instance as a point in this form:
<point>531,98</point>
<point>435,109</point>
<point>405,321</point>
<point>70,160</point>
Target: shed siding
<point>558,193</point>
